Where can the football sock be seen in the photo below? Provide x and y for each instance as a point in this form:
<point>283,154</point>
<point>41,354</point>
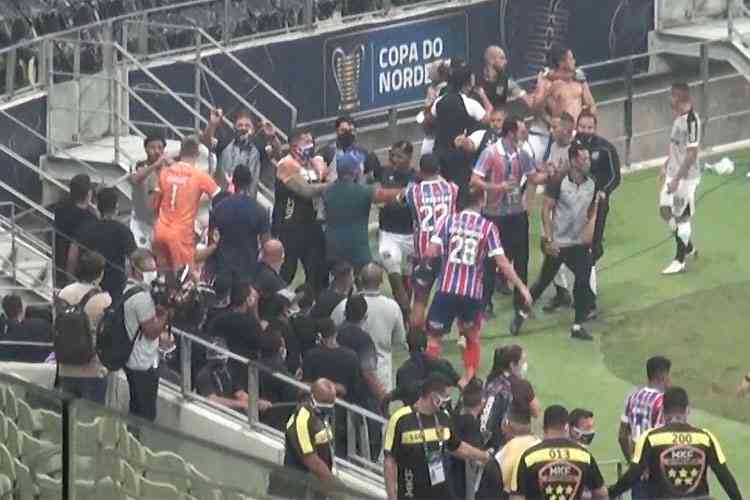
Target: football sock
<point>680,253</point>
<point>472,352</point>
<point>592,281</point>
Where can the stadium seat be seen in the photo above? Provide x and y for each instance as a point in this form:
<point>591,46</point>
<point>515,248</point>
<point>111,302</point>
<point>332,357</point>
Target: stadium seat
<point>51,426</point>
<point>25,487</point>
<point>6,487</point>
<point>130,481</point>
<point>3,429</point>
<point>13,440</point>
<point>49,488</point>
<point>7,464</point>
<point>167,467</point>
<point>135,453</point>
<point>86,438</point>
<point>28,420</point>
<point>10,407</point>
<point>109,433</point>
<point>152,490</point>
<point>41,456</point>
<point>201,485</point>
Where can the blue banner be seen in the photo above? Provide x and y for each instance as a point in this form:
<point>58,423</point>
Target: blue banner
<point>380,67</point>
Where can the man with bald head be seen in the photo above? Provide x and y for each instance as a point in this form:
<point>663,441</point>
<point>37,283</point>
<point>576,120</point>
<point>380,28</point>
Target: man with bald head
<point>384,322</point>
<point>307,445</point>
<point>268,280</point>
<point>498,85</point>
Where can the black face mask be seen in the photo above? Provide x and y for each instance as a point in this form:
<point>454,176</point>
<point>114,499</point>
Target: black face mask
<point>585,438</point>
<point>240,136</point>
<point>346,140</point>
<point>584,138</point>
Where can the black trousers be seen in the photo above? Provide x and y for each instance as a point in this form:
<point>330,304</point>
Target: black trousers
<point>578,259</point>
<point>456,167</point>
<point>304,243</point>
<point>597,245</point>
<point>514,234</point>
<point>144,387</point>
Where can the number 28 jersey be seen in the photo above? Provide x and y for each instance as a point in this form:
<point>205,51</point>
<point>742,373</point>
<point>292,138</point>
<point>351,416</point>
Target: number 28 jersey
<point>466,239</point>
<point>430,203</point>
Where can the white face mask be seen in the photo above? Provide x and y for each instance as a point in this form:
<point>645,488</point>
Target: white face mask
<point>150,276</point>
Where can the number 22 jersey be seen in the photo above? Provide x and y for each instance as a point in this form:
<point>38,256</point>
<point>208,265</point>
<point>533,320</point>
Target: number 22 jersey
<point>466,239</point>
<point>430,203</point>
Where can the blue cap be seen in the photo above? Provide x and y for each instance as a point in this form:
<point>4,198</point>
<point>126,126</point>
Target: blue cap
<point>348,164</point>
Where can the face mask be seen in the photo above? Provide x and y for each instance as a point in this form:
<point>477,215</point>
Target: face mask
<point>325,410</point>
<point>308,151</point>
<point>524,370</point>
<point>584,138</point>
<point>150,276</point>
<point>241,135</point>
<point>583,437</point>
<point>346,140</point>
<point>441,402</point>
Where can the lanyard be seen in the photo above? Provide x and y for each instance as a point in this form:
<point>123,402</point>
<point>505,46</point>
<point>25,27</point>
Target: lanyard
<point>438,430</point>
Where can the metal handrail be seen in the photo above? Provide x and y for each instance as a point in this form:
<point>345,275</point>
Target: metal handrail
<point>213,42</point>
<point>55,147</point>
<point>100,23</point>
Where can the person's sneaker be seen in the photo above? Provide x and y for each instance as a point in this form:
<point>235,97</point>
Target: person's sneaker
<point>675,267</point>
<point>580,333</point>
<point>516,323</point>
<point>561,299</point>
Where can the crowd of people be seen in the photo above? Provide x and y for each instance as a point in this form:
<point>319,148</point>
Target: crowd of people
<point>452,232</point>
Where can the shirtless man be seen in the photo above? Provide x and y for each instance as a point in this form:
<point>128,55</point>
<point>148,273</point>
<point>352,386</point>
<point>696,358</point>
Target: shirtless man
<point>565,90</point>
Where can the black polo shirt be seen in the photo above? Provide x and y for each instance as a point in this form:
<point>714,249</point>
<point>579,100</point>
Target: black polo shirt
<point>406,441</point>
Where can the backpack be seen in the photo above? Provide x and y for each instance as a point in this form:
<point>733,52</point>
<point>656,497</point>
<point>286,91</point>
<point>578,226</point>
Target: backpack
<point>498,397</point>
<point>113,344</point>
<point>72,329</point>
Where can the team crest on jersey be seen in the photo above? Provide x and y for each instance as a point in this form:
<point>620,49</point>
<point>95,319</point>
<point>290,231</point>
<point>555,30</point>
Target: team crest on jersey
<point>683,467</point>
<point>560,480</point>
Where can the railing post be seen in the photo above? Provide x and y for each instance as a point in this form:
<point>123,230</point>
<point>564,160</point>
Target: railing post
<point>143,35</point>
<point>225,34</point>
<point>628,114</point>
<point>253,393</point>
<point>13,249</point>
<point>308,16</point>
<point>77,79</point>
<point>393,123</point>
<point>730,19</point>
<point>186,351</point>
<point>197,82</point>
<point>704,89</point>
<point>10,73</point>
<point>351,434</point>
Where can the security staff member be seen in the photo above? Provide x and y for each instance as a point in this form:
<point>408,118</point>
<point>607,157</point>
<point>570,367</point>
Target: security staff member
<point>308,444</point>
<point>677,457</point>
<point>605,169</point>
<point>558,467</point>
<point>416,441</point>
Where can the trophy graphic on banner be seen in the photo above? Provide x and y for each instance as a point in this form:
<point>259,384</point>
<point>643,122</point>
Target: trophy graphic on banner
<point>346,72</point>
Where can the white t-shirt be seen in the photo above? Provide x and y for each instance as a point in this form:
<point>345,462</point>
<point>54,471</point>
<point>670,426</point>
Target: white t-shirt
<point>473,107</point>
<point>138,309</point>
